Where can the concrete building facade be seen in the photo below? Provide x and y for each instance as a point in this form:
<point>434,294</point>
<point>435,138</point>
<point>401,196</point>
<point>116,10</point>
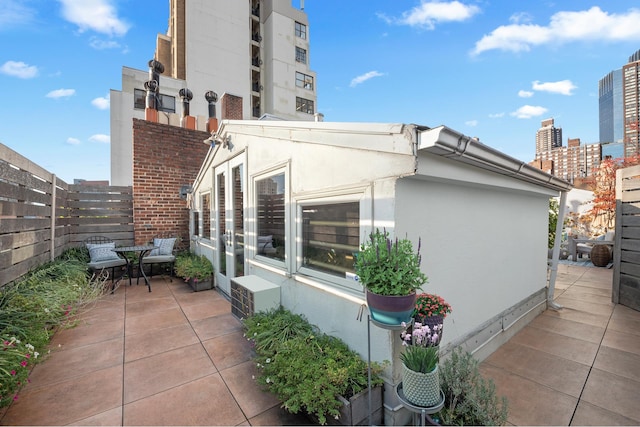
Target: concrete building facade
<point>574,161</point>
<point>257,50</point>
<point>548,136</point>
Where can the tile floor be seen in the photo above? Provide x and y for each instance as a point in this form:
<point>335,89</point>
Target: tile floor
<point>177,357</point>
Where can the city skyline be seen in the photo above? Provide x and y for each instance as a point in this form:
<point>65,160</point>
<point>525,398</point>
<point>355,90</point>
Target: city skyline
<point>489,70</point>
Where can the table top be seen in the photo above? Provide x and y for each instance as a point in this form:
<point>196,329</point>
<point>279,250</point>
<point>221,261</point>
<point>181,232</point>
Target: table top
<point>137,248</point>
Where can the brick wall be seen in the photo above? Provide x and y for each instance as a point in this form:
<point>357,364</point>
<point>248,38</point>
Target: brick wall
<point>165,158</point>
<point>231,106</point>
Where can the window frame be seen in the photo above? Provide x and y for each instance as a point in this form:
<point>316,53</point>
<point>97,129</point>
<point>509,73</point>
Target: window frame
<point>204,233</point>
<point>300,104</point>
<point>162,99</point>
<point>360,196</point>
<point>273,172</point>
<point>304,81</point>
<point>300,30</point>
<point>301,55</point>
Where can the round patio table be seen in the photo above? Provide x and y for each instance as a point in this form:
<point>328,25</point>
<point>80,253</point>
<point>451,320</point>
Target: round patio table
<point>141,251</point>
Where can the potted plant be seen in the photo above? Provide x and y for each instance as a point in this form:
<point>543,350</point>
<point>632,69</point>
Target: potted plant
<point>196,270</point>
<point>313,372</point>
<point>431,309</point>
<point>420,379</point>
<point>390,272</point>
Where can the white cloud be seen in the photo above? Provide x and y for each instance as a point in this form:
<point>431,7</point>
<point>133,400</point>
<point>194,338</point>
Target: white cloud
<point>496,115</point>
<point>73,141</point>
<point>61,93</point>
<point>96,15</point>
<point>13,13</point>
<point>99,44</point>
<point>525,94</point>
<point>528,111</point>
<point>471,123</point>
<point>101,138</point>
<point>564,27</point>
<point>364,77</point>
<point>19,69</point>
<point>430,13</point>
<point>563,87</point>
<point>102,103</point>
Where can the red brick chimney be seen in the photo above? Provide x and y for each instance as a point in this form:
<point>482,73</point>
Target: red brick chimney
<point>231,107</point>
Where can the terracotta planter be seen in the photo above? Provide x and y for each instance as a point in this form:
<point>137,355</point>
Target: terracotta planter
<point>391,310</point>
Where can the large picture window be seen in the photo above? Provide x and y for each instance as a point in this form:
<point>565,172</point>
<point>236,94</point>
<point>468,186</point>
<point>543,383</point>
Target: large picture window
<point>331,237</point>
<point>270,193</point>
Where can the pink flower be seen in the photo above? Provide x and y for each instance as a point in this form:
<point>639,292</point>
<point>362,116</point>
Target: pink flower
<point>23,363</point>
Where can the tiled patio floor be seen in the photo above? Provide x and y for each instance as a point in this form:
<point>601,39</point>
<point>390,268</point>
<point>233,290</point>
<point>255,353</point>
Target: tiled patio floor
<point>175,357</point>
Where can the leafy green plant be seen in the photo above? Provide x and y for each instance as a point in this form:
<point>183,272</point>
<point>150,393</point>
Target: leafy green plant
<point>419,358</point>
<point>34,307</point>
<point>470,399</point>
<point>191,266</point>
<point>306,369</point>
<point>388,267</point>
<point>554,209</point>
<point>270,329</point>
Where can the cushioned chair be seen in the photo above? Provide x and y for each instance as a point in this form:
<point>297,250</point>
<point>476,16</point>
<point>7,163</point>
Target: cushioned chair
<point>579,247</point>
<point>103,258</point>
<point>163,256</point>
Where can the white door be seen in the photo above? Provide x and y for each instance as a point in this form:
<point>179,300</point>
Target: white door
<point>230,193</point>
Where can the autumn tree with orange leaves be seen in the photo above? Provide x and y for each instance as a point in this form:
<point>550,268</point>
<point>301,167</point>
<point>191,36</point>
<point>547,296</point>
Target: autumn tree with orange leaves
<point>604,196</point>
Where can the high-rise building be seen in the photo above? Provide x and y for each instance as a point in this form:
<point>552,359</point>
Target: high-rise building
<point>548,137</point>
<point>619,106</point>
<point>610,107</point>
<point>576,160</point>
<point>631,97</point>
<point>257,51</point>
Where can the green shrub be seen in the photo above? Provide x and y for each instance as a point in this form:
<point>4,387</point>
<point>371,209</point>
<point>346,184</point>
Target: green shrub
<point>33,307</point>
<point>306,369</point>
<point>470,399</point>
<point>191,266</point>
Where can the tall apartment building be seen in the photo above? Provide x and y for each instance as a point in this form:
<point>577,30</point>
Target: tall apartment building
<point>619,106</point>
<point>631,102</point>
<point>576,160</point>
<point>255,50</point>
<point>548,137</point>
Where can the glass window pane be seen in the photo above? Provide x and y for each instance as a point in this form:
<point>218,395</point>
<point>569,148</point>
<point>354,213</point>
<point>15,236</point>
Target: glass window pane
<point>331,236</point>
<point>206,216</point>
<point>222,226</point>
<point>271,217</point>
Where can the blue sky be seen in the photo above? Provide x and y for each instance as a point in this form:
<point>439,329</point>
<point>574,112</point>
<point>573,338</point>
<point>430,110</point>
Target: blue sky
<point>490,69</point>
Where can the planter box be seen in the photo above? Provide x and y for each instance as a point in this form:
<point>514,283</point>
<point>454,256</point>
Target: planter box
<point>355,411</point>
<point>201,285</point>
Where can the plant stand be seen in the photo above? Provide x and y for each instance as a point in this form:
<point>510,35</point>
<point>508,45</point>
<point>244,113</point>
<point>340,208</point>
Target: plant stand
<point>422,411</point>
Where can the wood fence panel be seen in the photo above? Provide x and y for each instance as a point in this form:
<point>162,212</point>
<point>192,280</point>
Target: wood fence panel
<point>41,216</point>
<point>626,252</point>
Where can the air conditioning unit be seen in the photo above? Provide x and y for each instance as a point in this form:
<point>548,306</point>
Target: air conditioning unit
<point>252,294</point>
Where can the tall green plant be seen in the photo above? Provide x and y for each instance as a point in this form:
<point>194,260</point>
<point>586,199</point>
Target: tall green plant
<point>389,267</point>
<point>33,308</point>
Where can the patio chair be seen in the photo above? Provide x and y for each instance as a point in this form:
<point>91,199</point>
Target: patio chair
<point>579,247</point>
<point>103,258</point>
<point>163,256</point>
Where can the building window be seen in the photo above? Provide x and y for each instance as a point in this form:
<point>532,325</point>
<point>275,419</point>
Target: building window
<point>304,105</point>
<point>166,103</point>
<point>196,223</point>
<point>330,237</point>
<point>270,193</point>
<point>206,215</point>
<point>304,81</point>
<point>301,30</point>
<point>301,55</point>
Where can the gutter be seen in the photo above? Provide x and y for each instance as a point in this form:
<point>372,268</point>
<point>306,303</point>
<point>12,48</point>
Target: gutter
<point>448,143</point>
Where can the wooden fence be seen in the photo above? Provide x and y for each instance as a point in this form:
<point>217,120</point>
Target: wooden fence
<point>626,253</point>
<point>41,215</point>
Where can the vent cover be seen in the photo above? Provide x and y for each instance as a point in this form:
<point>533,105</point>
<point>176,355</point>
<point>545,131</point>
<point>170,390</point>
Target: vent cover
<point>253,294</point>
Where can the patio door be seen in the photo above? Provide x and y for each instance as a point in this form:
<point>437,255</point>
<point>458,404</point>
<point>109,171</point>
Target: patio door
<point>230,193</point>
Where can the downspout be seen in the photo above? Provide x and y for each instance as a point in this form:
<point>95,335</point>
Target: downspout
<point>556,253</point>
